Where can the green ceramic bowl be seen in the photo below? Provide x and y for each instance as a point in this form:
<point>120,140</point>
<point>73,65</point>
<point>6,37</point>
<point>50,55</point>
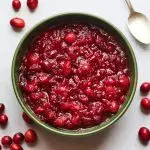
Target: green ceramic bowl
<point>73,17</point>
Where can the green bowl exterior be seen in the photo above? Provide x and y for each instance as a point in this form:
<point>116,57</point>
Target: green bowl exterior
<point>21,49</point>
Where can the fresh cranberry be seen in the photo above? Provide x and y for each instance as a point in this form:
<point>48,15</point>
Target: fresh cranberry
<point>17,23</point>
<point>2,107</point>
<point>32,4</point>
<point>111,90</point>
<point>144,134</point>
<point>60,121</point>
<point>16,4</point>
<point>124,82</point>
<point>6,140</point>
<point>26,118</point>
<point>70,38</point>
<point>18,138</point>
<point>145,87</point>
<point>67,68</point>
<point>15,147</point>
<point>3,119</point>
<point>30,136</point>
<point>145,103</point>
<point>114,107</point>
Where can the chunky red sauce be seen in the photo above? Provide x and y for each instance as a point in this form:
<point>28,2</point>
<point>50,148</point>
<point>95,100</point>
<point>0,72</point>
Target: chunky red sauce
<point>74,76</point>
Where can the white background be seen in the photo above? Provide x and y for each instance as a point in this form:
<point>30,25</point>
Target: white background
<point>120,136</point>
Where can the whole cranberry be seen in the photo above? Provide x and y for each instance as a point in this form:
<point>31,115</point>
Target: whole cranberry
<point>3,119</point>
<point>30,136</point>
<point>114,107</point>
<point>6,140</point>
<point>33,58</point>
<point>145,87</point>
<point>144,134</point>
<point>30,87</point>
<point>17,23</point>
<point>32,4</point>
<point>18,138</point>
<point>124,82</point>
<point>15,147</point>
<point>70,38</point>
<point>26,118</point>
<point>145,103</point>
<point>16,4</point>
<point>2,107</point>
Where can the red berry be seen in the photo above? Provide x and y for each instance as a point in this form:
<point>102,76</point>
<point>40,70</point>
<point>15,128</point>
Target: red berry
<point>17,23</point>
<point>3,119</point>
<point>18,138</point>
<point>32,4</point>
<point>6,140</point>
<point>30,87</point>
<point>70,38</point>
<point>114,107</point>
<point>2,107</point>
<point>145,87</point>
<point>15,147</point>
<point>26,118</point>
<point>30,136</point>
<point>124,82</point>
<point>144,134</point>
<point>145,103</point>
<point>16,4</point>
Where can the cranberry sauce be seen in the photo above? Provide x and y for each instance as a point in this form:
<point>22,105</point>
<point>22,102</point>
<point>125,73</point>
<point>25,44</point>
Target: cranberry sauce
<point>74,76</point>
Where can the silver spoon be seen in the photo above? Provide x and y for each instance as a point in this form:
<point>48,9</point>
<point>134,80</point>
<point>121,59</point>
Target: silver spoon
<point>139,25</point>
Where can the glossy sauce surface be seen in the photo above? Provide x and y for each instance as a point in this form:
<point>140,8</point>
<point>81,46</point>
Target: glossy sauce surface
<point>74,76</point>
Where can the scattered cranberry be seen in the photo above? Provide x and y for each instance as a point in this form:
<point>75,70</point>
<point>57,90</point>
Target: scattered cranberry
<point>70,38</point>
<point>145,103</point>
<point>144,134</point>
<point>30,136</point>
<point>6,140</point>
<point>16,4</point>
<point>3,119</point>
<point>15,147</point>
<point>17,23</point>
<point>18,138</point>
<point>32,4</point>
<point>145,87</point>
<point>26,118</point>
<point>2,107</point>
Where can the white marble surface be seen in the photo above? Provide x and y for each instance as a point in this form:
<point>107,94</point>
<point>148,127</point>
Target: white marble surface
<point>123,134</point>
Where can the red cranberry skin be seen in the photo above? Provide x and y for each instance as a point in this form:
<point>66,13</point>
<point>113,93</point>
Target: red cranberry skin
<point>145,103</point>
<point>70,38</point>
<point>15,146</point>
<point>30,136</point>
<point>32,4</point>
<point>2,108</point>
<point>3,119</point>
<point>26,118</point>
<point>18,138</point>
<point>16,4</point>
<point>144,134</point>
<point>17,23</point>
<point>145,87</point>
<point>6,141</point>
<point>124,82</point>
<point>114,107</point>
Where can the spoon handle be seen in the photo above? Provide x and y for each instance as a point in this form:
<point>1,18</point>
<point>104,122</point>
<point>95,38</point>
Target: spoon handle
<point>129,5</point>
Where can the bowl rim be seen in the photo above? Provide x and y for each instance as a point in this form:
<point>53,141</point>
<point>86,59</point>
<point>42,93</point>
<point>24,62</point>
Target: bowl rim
<point>59,131</point>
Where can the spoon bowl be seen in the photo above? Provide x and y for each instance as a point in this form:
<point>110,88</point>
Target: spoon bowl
<point>139,26</point>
